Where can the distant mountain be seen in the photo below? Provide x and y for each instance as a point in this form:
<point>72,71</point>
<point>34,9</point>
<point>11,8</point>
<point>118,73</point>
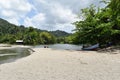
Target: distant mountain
<point>8,28</point>
<point>59,33</point>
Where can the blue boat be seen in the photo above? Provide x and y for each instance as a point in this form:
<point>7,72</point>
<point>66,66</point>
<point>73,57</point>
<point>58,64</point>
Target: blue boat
<point>93,47</point>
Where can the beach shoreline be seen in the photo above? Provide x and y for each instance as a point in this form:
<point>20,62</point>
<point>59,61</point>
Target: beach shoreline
<point>50,64</point>
<point>9,46</point>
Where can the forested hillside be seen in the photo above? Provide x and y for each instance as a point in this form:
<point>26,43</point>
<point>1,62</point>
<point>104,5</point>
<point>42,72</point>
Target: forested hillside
<point>59,33</point>
<point>7,28</point>
<point>9,33</point>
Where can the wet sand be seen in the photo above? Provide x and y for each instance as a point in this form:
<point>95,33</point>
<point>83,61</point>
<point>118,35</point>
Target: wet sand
<point>49,64</point>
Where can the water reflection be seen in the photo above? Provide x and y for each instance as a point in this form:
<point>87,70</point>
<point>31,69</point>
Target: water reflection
<point>9,55</point>
<point>62,46</point>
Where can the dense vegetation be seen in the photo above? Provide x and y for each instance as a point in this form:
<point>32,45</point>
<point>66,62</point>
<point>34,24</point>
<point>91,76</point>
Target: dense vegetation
<point>9,33</point>
<point>99,25</point>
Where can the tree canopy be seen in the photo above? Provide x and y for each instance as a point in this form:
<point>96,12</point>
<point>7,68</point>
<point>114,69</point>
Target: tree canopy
<point>100,25</point>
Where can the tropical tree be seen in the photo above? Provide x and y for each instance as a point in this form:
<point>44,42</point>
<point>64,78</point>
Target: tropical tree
<point>99,25</point>
<point>47,38</point>
<point>114,10</point>
<point>31,36</point>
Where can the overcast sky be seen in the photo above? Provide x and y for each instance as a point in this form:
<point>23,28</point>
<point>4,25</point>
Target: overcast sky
<point>44,14</point>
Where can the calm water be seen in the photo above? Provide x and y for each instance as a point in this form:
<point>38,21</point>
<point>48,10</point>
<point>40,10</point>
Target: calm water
<point>62,46</point>
<point>9,55</point>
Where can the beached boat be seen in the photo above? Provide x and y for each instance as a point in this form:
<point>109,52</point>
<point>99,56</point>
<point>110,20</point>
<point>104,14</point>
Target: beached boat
<point>93,47</point>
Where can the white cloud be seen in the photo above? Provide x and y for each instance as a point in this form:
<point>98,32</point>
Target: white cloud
<point>14,9</point>
<point>16,5</point>
<point>63,14</point>
<point>44,14</point>
<point>13,20</point>
<point>8,13</point>
<point>35,21</point>
<point>60,13</point>
<point>57,16</point>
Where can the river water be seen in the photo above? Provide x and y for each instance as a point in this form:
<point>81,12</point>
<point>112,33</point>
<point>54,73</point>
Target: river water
<point>61,46</point>
<point>10,55</point>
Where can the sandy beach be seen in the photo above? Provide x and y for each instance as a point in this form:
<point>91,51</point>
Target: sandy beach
<point>49,64</point>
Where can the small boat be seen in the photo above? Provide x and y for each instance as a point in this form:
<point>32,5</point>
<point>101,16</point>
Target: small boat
<point>93,47</point>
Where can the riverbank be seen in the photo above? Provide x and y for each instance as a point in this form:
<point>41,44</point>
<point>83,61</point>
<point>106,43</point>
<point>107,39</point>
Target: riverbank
<point>49,64</point>
<point>8,46</point>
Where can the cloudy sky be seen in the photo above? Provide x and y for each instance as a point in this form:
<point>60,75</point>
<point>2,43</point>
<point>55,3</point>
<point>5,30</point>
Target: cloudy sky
<point>44,14</point>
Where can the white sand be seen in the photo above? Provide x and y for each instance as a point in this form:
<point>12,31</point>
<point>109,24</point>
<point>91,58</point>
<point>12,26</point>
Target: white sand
<point>48,64</point>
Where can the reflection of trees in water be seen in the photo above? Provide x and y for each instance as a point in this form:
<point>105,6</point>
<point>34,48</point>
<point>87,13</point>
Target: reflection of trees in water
<point>8,55</point>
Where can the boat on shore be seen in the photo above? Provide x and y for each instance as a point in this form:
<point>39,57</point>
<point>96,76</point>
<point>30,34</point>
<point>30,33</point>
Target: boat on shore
<point>93,47</point>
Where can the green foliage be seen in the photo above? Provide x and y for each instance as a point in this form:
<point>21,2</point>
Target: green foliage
<point>31,36</point>
<point>7,39</point>
<point>9,33</point>
<point>61,36</point>
<point>59,33</point>
<point>69,39</point>
<point>99,26</point>
<point>47,38</point>
<point>61,40</point>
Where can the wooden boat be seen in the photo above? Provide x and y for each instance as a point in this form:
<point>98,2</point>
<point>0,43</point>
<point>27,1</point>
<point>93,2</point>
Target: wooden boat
<point>93,47</point>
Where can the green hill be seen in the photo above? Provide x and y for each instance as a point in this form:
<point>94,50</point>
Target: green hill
<point>59,33</point>
<point>8,28</point>
<point>9,33</point>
